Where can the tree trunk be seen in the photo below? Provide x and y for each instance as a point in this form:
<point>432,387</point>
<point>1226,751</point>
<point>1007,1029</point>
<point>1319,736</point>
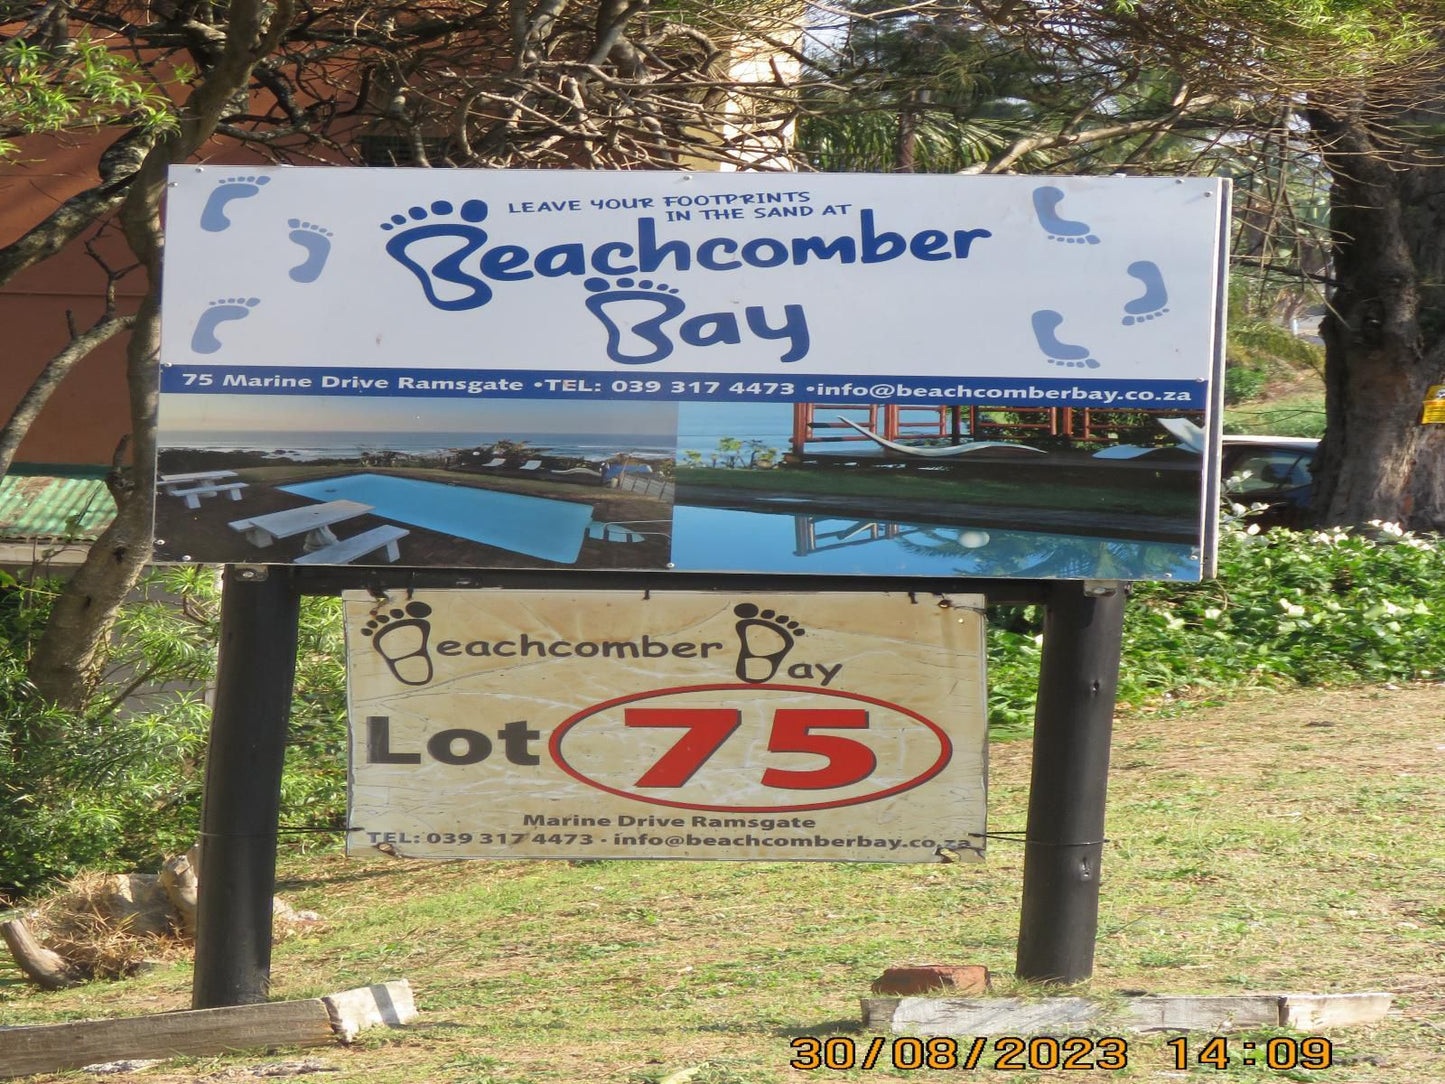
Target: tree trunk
<point>64,665</point>
<point>67,658</point>
<point>1384,335</point>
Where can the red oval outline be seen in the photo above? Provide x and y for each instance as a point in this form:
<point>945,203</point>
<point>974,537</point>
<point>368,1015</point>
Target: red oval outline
<point>554,747</point>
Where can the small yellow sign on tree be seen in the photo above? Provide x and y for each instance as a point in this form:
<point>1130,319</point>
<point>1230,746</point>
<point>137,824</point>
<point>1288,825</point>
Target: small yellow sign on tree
<point>1434,412</point>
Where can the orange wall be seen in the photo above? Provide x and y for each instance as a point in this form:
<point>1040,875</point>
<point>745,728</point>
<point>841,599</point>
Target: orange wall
<point>88,415</point>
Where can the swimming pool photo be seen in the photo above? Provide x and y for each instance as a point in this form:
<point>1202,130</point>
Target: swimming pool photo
<point>731,540</point>
<point>539,527</point>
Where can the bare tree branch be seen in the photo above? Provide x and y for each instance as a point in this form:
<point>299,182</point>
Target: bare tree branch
<point>50,378</point>
<point>81,211</point>
<point>1077,137</point>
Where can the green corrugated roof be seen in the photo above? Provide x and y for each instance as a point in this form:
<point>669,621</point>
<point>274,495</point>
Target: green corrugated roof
<point>37,507</point>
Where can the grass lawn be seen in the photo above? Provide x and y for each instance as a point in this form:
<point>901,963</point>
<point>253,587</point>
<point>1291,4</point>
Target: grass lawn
<point>1125,495</point>
<point>1297,414</point>
<point>1281,842</point>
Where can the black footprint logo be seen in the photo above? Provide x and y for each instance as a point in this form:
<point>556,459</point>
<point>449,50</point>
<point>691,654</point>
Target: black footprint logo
<point>400,637</point>
<point>764,640</point>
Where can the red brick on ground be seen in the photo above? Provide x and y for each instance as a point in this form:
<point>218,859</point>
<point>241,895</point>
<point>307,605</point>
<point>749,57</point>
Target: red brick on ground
<point>928,978</point>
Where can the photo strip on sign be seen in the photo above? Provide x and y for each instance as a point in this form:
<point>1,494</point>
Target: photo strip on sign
<point>697,725</point>
<point>822,374</point>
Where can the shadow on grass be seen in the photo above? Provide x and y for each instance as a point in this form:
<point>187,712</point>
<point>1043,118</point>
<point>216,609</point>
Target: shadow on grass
<point>335,879</point>
<point>820,1028</point>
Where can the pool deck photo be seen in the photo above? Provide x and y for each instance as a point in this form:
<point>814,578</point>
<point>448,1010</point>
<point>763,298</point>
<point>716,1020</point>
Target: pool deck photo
<point>364,514</point>
<point>1123,500</point>
<point>1121,475</point>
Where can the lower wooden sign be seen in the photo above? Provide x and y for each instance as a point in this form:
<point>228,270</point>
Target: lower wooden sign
<point>699,725</point>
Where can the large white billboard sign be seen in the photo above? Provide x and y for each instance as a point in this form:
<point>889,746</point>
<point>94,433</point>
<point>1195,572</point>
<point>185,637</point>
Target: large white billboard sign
<point>530,333</point>
<point>491,724</point>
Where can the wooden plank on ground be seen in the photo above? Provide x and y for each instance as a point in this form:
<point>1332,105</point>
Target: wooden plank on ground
<point>1214,1013</point>
<point>981,1016</point>
<point>54,1047</point>
<point>1310,1012</point>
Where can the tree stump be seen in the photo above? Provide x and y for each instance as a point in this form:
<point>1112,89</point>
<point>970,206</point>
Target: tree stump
<point>47,969</point>
<point>137,903</point>
<point>178,878</point>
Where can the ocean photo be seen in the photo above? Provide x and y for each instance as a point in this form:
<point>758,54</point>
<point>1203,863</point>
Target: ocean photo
<point>415,482</point>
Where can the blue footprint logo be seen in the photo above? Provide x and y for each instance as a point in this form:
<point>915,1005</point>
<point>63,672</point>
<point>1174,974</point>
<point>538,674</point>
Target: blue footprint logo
<point>229,189</point>
<point>634,313</point>
<point>1063,230</point>
<point>1154,301</point>
<point>221,311</point>
<point>458,238</point>
<point>315,242</point>
<point>1046,322</point>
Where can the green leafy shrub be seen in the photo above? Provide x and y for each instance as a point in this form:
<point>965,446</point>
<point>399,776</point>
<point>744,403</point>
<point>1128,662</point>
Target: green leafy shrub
<point>1241,384</point>
<point>1299,415</point>
<point>1260,344</point>
<point>79,84</point>
<point>118,785</point>
<point>1304,607</point>
<point>1288,607</point>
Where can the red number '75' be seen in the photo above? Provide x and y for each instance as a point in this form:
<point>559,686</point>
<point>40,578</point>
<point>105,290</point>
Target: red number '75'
<point>849,761</point>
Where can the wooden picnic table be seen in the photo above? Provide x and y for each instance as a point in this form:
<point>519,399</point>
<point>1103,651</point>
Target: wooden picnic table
<point>313,520</point>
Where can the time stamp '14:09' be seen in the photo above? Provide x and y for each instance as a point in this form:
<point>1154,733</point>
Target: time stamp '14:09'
<point>1045,1053</point>
<point>1281,1052</point>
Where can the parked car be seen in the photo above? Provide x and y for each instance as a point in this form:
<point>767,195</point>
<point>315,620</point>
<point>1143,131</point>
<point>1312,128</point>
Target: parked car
<point>1273,471</point>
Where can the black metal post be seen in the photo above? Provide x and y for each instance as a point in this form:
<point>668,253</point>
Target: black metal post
<point>259,615</point>
<point>1073,723</point>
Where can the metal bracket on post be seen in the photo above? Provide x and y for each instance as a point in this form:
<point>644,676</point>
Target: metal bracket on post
<point>1102,588</point>
<point>251,573</point>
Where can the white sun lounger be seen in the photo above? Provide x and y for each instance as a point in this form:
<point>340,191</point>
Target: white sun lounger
<point>925,452</point>
<point>1189,436</point>
<point>347,550</point>
<point>531,464</point>
<point>612,532</point>
<point>1125,451</point>
<point>630,531</point>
